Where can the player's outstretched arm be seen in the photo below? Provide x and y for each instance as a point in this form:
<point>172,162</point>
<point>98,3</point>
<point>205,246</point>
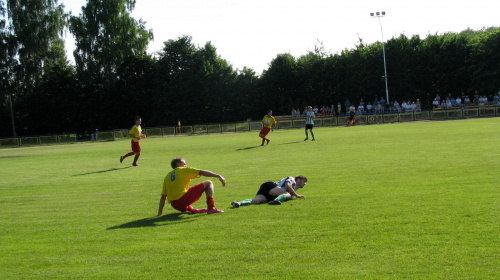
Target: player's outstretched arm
<point>292,191</point>
<point>161,205</point>
<point>207,173</point>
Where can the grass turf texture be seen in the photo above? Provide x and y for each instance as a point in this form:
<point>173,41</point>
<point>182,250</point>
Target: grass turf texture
<point>398,201</point>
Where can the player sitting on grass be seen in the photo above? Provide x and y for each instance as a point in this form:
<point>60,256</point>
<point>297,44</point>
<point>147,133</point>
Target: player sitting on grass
<point>275,193</point>
<point>180,195</point>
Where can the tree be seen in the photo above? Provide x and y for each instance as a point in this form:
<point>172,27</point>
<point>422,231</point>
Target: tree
<point>8,62</point>
<point>105,35</point>
<point>38,27</point>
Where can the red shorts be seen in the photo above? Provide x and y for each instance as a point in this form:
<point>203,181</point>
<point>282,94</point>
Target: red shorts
<point>136,147</point>
<point>191,196</point>
<point>265,131</point>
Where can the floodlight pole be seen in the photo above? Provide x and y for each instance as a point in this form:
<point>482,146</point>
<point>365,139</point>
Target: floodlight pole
<point>378,15</point>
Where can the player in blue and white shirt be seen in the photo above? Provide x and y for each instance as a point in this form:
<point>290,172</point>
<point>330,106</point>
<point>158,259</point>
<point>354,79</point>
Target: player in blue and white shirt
<point>276,192</point>
<point>309,122</point>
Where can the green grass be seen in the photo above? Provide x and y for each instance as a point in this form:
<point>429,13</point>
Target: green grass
<point>398,201</point>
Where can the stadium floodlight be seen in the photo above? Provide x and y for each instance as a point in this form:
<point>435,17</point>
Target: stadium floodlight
<point>378,15</point>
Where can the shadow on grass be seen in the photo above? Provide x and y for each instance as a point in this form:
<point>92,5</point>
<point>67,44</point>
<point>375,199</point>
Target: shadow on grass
<point>295,142</point>
<point>102,171</point>
<point>7,157</point>
<point>157,221</point>
<point>247,148</point>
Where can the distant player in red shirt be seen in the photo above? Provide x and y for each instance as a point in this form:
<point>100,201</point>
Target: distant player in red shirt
<point>136,134</point>
<point>268,123</point>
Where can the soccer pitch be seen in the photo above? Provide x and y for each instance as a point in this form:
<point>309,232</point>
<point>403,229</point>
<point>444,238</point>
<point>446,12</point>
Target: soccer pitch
<point>395,201</point>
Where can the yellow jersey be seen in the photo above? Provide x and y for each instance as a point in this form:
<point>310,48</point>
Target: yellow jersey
<point>268,121</point>
<point>176,183</point>
<point>136,131</point>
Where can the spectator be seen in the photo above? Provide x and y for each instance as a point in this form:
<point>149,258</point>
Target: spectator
<point>404,105</point>
<point>397,106</point>
<point>323,110</point>
<point>382,102</point>
<point>418,106</point>
<point>369,107</point>
<point>361,108</point>
<point>476,98</point>
<point>315,110</point>
<point>467,101</point>
<point>438,98</point>
<point>347,105</point>
<point>339,108</point>
<point>458,102</point>
<point>435,103</point>
<point>413,107</point>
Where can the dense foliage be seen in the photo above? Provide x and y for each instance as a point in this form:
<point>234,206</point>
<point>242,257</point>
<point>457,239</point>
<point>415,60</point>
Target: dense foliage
<point>114,79</point>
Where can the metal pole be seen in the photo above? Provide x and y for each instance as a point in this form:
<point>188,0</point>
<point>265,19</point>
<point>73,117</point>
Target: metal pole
<point>385,65</point>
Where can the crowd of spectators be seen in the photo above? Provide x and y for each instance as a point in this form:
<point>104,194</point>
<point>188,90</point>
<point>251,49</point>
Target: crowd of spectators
<point>380,106</point>
<point>461,101</point>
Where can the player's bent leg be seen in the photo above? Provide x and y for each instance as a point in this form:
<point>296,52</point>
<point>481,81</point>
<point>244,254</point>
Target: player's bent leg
<point>258,199</point>
<point>209,192</point>
<point>276,191</point>
<point>208,187</point>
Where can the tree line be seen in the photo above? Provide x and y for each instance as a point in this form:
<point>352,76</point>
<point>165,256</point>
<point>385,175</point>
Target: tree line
<point>115,79</point>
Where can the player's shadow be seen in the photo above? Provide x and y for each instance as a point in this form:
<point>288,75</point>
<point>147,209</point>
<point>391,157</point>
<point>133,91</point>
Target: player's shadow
<point>157,221</point>
<point>247,148</point>
<point>102,171</point>
<point>295,142</point>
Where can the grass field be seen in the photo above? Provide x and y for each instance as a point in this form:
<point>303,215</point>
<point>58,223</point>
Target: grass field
<point>397,201</point>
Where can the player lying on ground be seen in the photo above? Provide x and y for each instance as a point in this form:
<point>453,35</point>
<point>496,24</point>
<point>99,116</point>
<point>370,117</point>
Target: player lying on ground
<point>275,193</point>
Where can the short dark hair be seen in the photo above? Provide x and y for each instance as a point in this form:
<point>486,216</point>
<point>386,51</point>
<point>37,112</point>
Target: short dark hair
<point>174,162</point>
<point>301,177</point>
<point>136,118</point>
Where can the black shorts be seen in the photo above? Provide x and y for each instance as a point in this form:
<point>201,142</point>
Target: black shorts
<point>309,126</point>
<point>266,188</point>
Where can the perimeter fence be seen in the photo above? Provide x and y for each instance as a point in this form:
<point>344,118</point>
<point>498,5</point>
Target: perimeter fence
<point>284,122</point>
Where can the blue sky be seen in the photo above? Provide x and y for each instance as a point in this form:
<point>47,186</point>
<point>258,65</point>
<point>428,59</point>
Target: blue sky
<point>252,33</point>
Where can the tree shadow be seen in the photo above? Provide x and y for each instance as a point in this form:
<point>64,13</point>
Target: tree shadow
<point>102,171</point>
<point>156,221</point>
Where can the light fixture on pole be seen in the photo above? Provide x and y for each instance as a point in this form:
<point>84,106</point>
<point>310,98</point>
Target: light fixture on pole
<point>378,15</point>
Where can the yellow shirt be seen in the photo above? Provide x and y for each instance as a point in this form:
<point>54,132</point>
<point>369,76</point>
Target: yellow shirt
<point>176,183</point>
<point>268,121</point>
<point>136,131</point>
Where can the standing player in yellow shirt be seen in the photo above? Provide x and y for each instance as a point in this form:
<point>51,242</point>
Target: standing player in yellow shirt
<point>268,123</point>
<point>136,134</point>
<point>177,192</point>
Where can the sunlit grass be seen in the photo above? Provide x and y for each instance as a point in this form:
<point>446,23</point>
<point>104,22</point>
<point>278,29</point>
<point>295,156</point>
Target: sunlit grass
<point>412,200</point>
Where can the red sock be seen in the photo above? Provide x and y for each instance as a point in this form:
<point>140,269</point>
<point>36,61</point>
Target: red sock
<point>129,154</point>
<point>210,203</point>
<point>263,139</point>
<point>136,158</point>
